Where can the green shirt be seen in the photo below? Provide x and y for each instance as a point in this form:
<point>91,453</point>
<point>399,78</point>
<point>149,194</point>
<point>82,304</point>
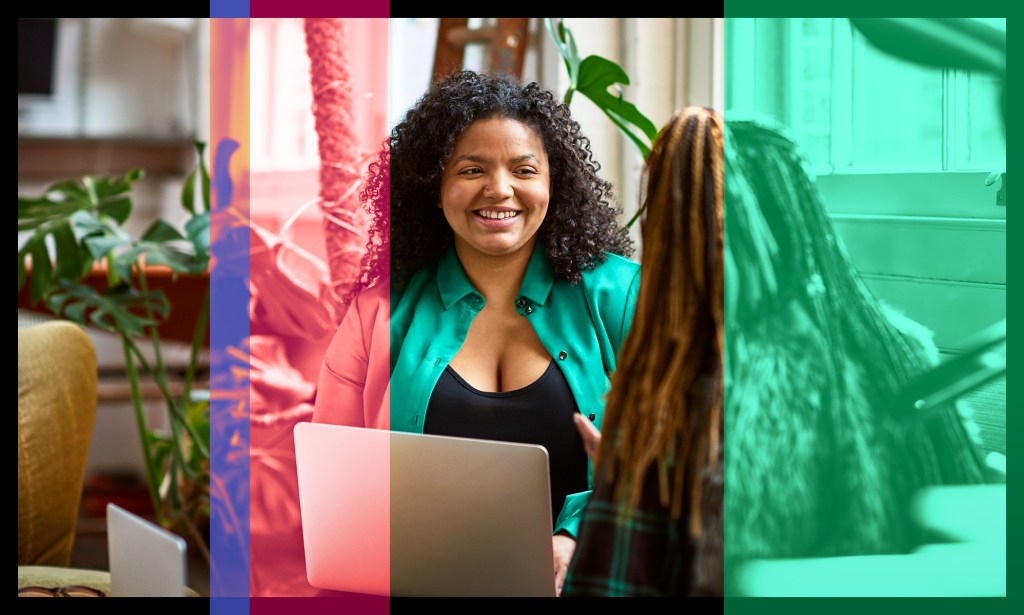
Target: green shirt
<point>581,326</point>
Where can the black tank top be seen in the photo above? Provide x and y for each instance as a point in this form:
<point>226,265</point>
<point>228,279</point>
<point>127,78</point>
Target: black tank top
<point>539,413</point>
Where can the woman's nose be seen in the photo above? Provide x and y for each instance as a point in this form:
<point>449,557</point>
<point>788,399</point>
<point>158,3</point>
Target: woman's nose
<point>499,186</point>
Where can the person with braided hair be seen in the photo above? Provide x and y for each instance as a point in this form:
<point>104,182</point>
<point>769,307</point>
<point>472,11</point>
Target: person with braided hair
<point>496,286</point>
<point>653,526</point>
<point>819,457</point>
<point>822,457</point>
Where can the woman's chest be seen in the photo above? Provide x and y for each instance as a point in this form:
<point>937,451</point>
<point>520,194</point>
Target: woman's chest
<point>427,335</point>
<point>501,352</point>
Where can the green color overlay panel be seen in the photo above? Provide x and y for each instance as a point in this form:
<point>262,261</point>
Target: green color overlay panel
<point>866,244</point>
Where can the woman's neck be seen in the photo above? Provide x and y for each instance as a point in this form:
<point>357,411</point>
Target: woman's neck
<point>497,278</point>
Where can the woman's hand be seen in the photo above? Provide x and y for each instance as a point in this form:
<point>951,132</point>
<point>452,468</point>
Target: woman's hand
<point>564,546</point>
<point>590,434</point>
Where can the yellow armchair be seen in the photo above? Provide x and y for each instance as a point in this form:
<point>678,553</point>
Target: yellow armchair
<point>56,411</point>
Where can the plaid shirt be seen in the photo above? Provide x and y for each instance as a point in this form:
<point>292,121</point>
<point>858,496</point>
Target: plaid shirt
<point>645,552</point>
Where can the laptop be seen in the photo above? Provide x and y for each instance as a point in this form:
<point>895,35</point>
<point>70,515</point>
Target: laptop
<point>145,559</point>
<point>400,514</point>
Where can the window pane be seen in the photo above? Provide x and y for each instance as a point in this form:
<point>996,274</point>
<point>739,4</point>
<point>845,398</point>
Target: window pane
<point>986,143</point>
<point>782,68</point>
<point>810,104</point>
<point>897,112</point>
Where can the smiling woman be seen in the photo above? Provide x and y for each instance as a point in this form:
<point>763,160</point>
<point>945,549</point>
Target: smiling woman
<point>509,293</point>
<point>580,224</point>
<point>495,189</point>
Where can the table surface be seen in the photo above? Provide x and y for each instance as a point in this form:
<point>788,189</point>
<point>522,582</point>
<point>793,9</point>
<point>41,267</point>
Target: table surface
<point>974,564</point>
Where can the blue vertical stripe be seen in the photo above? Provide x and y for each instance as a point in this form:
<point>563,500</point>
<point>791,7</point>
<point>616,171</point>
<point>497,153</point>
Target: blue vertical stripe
<point>229,406</point>
<point>229,8</point>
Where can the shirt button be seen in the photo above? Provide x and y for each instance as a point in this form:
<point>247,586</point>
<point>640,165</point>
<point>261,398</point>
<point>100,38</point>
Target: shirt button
<point>591,417</point>
<point>521,302</point>
<point>562,355</point>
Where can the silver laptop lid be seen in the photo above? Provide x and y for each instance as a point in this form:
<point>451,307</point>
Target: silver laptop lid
<point>145,559</point>
<point>466,517</point>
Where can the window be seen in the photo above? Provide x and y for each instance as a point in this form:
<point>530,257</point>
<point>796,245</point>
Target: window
<point>902,153</point>
<point>855,109</point>
<point>283,130</point>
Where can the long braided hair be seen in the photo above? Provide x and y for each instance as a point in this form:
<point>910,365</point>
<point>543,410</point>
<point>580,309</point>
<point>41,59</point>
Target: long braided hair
<point>665,404</point>
<point>821,461</point>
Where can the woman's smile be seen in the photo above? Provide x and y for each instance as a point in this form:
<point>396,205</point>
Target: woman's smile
<point>496,217</point>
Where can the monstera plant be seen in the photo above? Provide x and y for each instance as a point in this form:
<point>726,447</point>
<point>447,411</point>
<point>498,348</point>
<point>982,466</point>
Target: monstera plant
<point>596,78</point>
<point>76,230</point>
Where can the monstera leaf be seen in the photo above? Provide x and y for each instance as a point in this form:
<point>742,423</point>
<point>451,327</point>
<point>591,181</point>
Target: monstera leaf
<point>594,77</point>
<point>106,196</point>
<point>161,244</point>
<point>937,41</point>
<point>188,190</point>
<point>566,44</point>
<point>597,75</point>
<point>81,218</point>
<point>116,309</point>
<point>198,231</point>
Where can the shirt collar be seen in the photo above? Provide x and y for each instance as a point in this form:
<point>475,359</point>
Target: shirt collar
<point>451,278</point>
<point>539,277</point>
<point>453,284</point>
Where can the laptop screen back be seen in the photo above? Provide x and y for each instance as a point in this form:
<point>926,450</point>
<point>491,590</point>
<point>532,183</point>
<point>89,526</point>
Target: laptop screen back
<point>402,514</point>
<point>145,559</point>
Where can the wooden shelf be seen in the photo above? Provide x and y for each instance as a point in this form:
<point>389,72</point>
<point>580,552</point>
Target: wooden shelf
<point>58,157</point>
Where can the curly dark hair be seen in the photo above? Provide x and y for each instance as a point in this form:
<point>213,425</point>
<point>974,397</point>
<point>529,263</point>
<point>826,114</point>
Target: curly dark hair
<point>581,223</point>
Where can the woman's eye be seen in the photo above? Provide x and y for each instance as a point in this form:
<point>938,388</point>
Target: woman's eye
<point>525,171</point>
<point>470,172</point>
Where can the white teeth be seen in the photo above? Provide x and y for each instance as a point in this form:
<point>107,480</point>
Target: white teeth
<point>498,215</point>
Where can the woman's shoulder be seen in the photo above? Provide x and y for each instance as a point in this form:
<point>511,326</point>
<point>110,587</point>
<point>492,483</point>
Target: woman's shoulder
<point>614,268</point>
<point>611,288</point>
<point>616,280</point>
<point>365,309</point>
<point>374,295</point>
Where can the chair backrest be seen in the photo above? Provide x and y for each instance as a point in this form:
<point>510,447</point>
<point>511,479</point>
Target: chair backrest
<point>56,411</point>
<point>507,40</point>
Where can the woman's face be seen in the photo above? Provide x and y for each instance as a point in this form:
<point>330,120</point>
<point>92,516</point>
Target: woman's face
<point>495,188</point>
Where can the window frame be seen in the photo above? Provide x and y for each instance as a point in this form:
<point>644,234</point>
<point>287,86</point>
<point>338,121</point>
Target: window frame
<point>956,84</point>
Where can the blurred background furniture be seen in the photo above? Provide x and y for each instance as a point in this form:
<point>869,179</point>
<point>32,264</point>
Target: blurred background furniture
<point>507,38</point>
<point>57,382</point>
<point>57,396</point>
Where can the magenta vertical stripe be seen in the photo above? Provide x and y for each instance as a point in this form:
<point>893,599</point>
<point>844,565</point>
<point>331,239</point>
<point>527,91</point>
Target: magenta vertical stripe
<point>297,309</point>
<point>319,8</point>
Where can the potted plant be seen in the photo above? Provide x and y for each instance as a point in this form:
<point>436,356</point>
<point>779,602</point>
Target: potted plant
<point>82,219</point>
<point>592,77</point>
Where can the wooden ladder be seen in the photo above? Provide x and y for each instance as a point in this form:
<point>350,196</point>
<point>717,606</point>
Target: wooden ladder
<point>507,39</point>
